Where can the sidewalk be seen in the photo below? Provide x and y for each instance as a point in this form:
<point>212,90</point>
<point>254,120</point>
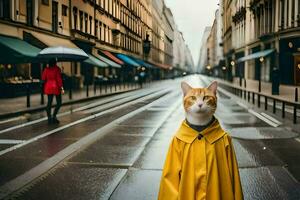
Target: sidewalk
<point>286,93</point>
<point>10,107</point>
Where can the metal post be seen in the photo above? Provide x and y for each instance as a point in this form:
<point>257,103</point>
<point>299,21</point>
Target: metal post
<point>42,94</point>
<point>266,103</point>
<point>27,95</point>
<point>295,106</point>
<point>283,109</point>
<point>248,96</point>
<point>87,90</point>
<point>258,100</point>
<point>95,88</point>
<point>70,90</point>
<point>253,97</point>
<point>274,106</point>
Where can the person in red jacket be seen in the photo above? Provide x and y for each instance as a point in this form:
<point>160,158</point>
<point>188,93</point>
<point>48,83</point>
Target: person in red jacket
<point>53,85</point>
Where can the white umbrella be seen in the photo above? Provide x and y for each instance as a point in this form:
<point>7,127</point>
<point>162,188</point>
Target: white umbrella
<point>61,53</point>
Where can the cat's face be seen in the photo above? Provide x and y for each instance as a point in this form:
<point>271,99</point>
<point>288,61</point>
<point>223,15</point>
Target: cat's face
<point>202,101</point>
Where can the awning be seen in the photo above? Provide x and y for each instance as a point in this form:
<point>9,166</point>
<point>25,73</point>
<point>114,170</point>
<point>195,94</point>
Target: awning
<point>127,60</point>
<point>109,62</point>
<point>113,58</point>
<point>162,66</point>
<point>14,50</point>
<point>51,41</point>
<point>256,55</point>
<point>92,60</point>
<point>142,63</point>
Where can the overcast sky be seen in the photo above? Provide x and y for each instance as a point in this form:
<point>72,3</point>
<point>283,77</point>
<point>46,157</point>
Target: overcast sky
<point>192,16</point>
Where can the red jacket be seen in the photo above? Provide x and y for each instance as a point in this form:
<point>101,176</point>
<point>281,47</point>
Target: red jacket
<point>53,80</point>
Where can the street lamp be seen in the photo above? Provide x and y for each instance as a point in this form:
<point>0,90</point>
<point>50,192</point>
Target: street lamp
<point>261,59</point>
<point>232,63</point>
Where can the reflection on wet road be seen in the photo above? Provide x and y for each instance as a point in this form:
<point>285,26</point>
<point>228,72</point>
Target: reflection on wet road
<point>117,149</point>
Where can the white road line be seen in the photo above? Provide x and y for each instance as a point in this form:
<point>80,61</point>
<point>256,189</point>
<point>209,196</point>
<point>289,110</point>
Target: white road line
<point>271,118</point>
<point>68,112</point>
<point>5,141</point>
<point>48,164</point>
<point>297,139</point>
<point>12,119</point>
<point>78,122</point>
<point>271,123</point>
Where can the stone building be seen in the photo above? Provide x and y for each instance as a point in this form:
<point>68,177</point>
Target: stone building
<point>261,40</point>
<point>108,30</point>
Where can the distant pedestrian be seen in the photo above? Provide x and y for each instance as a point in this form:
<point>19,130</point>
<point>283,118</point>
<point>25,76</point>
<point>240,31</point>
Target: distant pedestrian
<point>53,86</point>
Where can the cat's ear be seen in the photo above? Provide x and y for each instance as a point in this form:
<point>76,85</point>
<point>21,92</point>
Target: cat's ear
<point>185,88</point>
<point>213,87</point>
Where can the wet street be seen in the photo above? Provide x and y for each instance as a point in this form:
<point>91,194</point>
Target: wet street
<point>114,148</point>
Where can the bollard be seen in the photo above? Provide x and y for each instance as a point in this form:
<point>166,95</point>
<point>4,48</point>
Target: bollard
<point>274,106</point>
<point>100,88</point>
<point>258,100</point>
<point>295,106</point>
<point>27,95</point>
<point>266,103</point>
<point>87,90</point>
<point>283,109</point>
<point>253,98</point>
<point>95,88</point>
<point>248,96</point>
<point>42,95</point>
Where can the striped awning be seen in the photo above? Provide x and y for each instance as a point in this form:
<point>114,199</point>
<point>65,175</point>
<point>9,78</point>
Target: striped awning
<point>109,62</point>
<point>113,57</point>
<point>92,60</point>
<point>127,60</point>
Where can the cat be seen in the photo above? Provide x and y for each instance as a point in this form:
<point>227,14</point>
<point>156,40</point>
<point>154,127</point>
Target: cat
<point>199,104</point>
<point>201,162</point>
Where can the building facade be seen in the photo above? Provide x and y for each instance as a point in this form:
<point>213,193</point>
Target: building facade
<point>95,26</point>
<point>261,40</point>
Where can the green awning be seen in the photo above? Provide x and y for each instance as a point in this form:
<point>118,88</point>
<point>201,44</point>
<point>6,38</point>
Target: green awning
<point>256,55</point>
<point>109,62</point>
<point>92,60</point>
<point>14,50</point>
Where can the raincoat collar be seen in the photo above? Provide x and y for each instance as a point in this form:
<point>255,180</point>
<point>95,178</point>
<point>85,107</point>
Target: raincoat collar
<point>212,133</point>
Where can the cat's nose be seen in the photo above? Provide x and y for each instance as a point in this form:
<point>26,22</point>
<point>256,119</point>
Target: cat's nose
<point>200,105</point>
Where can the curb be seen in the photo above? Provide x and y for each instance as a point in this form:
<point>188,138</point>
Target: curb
<point>41,108</point>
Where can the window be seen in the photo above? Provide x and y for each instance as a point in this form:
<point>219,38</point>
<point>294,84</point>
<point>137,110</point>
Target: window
<point>85,22</point>
<point>96,28</point>
<point>100,31</point>
<point>81,20</point>
<point>64,10</point>
<point>45,2</point>
<point>5,9</point>
<point>75,17</point>
<point>91,22</point>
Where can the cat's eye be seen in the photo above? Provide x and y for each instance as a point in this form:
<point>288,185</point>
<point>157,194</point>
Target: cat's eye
<point>193,98</point>
<point>205,98</point>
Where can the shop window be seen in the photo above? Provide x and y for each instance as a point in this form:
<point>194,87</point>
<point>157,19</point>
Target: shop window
<point>4,9</point>
<point>64,10</point>
<point>45,2</point>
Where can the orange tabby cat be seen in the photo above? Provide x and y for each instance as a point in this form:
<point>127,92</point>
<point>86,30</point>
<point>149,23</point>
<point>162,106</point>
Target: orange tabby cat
<point>199,103</point>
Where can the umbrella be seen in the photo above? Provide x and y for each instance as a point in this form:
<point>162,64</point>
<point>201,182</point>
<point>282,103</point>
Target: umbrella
<point>61,53</point>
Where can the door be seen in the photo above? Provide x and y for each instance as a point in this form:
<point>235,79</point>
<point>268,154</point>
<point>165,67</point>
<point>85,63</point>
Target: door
<point>54,16</point>
<point>30,10</point>
<point>297,70</point>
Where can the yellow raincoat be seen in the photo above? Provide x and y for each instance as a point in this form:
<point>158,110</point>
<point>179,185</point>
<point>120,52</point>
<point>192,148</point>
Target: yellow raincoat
<point>198,169</point>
